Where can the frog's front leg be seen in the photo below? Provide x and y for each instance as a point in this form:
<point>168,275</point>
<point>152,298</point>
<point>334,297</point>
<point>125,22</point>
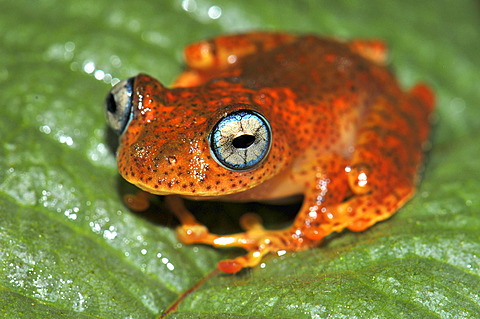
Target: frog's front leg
<point>253,240</point>
<point>331,187</point>
<point>192,232</point>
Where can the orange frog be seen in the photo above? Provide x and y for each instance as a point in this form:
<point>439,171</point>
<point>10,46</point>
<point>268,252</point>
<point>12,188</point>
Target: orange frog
<point>263,116</point>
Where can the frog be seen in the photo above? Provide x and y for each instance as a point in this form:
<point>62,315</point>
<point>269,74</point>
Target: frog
<point>264,116</point>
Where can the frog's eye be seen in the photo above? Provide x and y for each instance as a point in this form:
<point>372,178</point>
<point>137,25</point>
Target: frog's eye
<point>118,105</point>
<point>241,140</point>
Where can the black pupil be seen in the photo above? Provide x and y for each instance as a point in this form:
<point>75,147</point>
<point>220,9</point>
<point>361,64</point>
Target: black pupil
<point>243,141</point>
<point>111,104</point>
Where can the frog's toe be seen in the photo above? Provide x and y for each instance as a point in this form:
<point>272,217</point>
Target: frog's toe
<point>251,259</point>
<point>373,50</point>
<point>251,222</point>
<point>192,234</point>
<point>425,94</point>
<point>137,202</point>
<point>230,266</point>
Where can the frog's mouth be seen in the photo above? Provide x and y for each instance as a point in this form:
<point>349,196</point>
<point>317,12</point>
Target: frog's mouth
<point>235,198</point>
<point>197,195</point>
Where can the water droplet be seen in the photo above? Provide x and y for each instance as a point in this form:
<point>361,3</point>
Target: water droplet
<point>214,12</point>
<point>115,61</point>
<point>74,66</point>
<point>99,74</point>
<point>281,252</point>
<point>89,67</point>
<point>45,129</point>
<point>64,139</point>
<point>71,213</point>
<point>189,5</point>
<point>232,58</point>
<point>110,233</point>
<point>107,78</point>
<point>69,46</point>
<point>95,227</point>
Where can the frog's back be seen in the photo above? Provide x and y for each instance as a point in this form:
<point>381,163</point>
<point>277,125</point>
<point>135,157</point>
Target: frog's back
<point>316,69</point>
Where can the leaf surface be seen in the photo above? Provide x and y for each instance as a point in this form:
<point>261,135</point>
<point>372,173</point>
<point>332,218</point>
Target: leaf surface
<point>70,248</point>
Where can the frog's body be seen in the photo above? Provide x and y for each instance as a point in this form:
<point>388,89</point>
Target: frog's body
<point>319,117</point>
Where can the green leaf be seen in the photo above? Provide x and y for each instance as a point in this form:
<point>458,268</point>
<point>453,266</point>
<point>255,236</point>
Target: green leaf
<point>70,248</point>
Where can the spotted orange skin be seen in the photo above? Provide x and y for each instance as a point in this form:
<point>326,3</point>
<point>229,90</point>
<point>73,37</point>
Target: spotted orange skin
<point>345,136</point>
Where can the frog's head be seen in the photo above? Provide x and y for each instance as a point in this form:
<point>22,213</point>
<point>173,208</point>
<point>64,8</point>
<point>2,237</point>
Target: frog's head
<point>209,140</point>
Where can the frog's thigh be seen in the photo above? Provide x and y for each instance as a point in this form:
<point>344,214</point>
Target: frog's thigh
<point>220,52</point>
<point>387,156</point>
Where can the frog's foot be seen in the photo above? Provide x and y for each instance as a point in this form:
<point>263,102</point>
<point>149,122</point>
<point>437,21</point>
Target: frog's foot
<point>205,59</point>
<point>137,202</point>
<point>256,240</point>
<point>188,79</point>
<point>195,233</point>
<point>223,51</point>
